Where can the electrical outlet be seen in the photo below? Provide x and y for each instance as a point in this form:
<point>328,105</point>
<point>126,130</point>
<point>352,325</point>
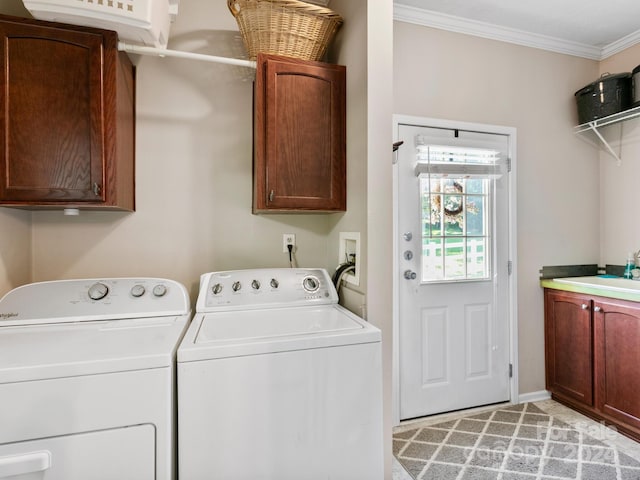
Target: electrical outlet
<point>288,239</point>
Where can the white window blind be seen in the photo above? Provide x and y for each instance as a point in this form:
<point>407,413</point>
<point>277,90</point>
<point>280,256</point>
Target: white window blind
<point>440,161</point>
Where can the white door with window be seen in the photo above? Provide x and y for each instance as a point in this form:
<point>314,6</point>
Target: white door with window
<point>453,269</point>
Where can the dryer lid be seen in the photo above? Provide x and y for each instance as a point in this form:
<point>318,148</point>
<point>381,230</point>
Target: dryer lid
<point>38,352</point>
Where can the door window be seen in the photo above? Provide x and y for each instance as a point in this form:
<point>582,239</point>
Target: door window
<point>455,229</point>
<point>455,195</point>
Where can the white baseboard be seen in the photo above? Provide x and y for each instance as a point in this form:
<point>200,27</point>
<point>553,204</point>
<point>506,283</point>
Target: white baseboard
<point>534,396</point>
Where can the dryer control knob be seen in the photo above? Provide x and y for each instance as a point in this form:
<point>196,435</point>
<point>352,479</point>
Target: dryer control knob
<point>274,283</point>
<point>160,290</point>
<point>236,286</point>
<point>137,290</point>
<point>217,288</point>
<point>98,291</point>
<point>255,285</point>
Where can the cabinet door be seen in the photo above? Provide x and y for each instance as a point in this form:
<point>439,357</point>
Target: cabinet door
<point>300,137</point>
<point>67,117</point>
<point>50,95</point>
<point>617,360</point>
<point>569,345</point>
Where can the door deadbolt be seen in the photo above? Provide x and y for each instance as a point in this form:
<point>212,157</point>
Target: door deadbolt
<point>408,255</point>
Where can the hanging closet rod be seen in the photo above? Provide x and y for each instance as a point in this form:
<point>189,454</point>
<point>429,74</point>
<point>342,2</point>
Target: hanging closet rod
<point>160,52</point>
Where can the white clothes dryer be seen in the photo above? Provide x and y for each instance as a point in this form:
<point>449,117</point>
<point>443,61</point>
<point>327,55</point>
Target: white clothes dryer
<point>87,379</point>
<point>278,381</point>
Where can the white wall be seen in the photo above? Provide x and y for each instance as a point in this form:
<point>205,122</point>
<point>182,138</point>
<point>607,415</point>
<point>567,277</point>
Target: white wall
<point>619,205</point>
<point>15,249</point>
<point>380,80</point>
<point>194,175</point>
<point>348,49</point>
<point>459,77</point>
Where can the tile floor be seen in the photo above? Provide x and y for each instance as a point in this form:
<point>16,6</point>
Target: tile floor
<point>578,421</point>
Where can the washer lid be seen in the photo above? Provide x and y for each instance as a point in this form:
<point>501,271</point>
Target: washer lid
<point>251,325</point>
<point>253,332</point>
<point>38,352</point>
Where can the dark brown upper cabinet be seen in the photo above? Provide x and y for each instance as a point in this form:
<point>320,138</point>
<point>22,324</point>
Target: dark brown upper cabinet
<point>300,136</point>
<point>67,118</point>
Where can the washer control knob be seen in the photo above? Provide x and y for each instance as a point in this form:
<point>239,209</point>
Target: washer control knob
<point>217,288</point>
<point>160,290</point>
<point>137,290</point>
<point>255,285</point>
<point>236,286</point>
<point>274,283</point>
<point>311,284</point>
<point>98,291</point>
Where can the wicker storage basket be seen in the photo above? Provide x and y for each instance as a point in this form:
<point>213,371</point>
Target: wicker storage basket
<point>291,28</point>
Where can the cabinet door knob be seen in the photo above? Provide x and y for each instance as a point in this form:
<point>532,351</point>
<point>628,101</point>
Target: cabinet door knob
<point>584,306</point>
<point>96,189</point>
<point>271,194</point>
<point>597,309</point>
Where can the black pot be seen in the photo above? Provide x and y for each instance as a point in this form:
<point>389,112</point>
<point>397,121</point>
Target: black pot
<point>608,95</point>
<point>635,86</point>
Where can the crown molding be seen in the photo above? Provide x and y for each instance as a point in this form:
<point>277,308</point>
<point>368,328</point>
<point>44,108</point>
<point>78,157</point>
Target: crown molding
<point>620,45</point>
<point>418,16</point>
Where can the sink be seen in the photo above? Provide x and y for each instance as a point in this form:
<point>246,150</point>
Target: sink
<point>604,283</point>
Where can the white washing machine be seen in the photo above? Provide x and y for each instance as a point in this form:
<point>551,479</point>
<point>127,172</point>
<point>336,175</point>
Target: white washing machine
<point>87,379</point>
<point>278,381</point>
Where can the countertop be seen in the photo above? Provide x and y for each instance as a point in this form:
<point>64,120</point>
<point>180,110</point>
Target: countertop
<point>601,285</point>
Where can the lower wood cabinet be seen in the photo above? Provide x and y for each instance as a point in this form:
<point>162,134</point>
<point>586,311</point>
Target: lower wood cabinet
<point>617,360</point>
<point>569,346</point>
<point>592,351</point>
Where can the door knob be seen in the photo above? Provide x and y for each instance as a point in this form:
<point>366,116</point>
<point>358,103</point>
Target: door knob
<point>407,236</point>
<point>410,275</point>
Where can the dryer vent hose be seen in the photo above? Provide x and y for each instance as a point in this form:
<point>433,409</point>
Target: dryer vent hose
<point>341,271</point>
